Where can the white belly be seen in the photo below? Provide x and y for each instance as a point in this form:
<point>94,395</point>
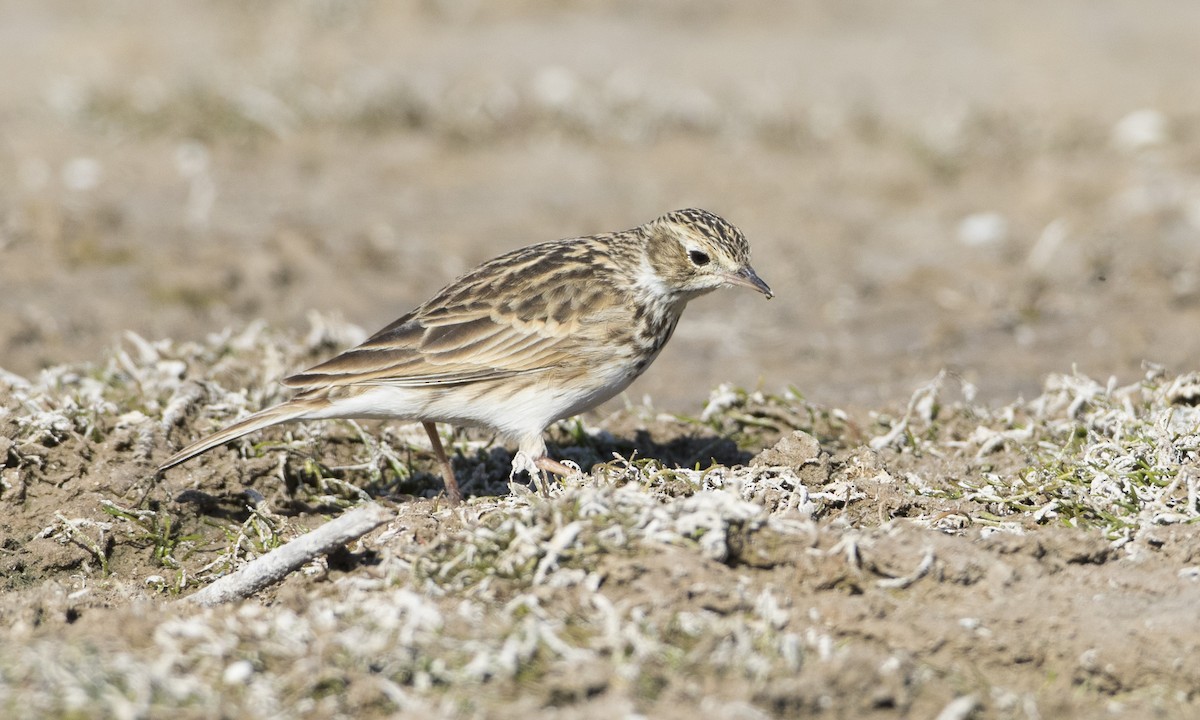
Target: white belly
<point>516,407</point>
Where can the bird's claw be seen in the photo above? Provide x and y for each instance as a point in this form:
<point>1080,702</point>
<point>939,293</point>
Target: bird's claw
<point>538,468</point>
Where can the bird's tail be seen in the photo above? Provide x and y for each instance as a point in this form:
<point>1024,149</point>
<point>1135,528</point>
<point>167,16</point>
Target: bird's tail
<point>286,412</point>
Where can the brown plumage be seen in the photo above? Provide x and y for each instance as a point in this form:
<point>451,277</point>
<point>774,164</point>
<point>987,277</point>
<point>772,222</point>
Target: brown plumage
<point>533,336</point>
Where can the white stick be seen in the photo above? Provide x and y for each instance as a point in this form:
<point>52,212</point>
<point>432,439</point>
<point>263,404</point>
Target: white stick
<point>275,565</point>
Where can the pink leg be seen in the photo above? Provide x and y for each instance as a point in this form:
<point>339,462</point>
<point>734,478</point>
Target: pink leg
<point>452,491</point>
<point>546,464</point>
<point>550,465</point>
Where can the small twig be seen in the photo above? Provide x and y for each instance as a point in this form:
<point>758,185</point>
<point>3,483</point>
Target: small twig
<point>184,397</point>
<point>900,583</point>
<point>558,544</point>
<point>848,546</point>
<point>277,564</point>
<point>70,533</point>
<point>345,486</point>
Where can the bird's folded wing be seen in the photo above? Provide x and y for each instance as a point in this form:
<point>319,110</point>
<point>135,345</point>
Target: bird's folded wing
<point>447,350</point>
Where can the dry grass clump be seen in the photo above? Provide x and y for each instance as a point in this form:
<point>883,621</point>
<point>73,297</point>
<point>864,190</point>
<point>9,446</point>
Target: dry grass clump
<point>691,560</point>
<point>1083,454</point>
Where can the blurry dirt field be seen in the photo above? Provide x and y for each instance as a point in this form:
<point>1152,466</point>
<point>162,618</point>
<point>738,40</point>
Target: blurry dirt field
<point>197,199</point>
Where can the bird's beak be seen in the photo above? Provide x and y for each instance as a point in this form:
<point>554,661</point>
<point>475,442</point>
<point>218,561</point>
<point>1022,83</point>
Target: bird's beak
<point>748,278</point>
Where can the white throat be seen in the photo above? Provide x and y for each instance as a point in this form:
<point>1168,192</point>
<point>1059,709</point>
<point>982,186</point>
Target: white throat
<point>649,283</point>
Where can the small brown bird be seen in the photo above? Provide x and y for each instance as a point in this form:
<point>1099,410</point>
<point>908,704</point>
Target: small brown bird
<point>531,337</point>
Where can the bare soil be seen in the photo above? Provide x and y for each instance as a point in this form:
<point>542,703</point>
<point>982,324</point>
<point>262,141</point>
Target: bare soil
<point>1005,191</point>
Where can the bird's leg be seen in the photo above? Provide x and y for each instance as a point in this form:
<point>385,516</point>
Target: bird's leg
<point>547,465</point>
<point>551,465</point>
<point>452,491</point>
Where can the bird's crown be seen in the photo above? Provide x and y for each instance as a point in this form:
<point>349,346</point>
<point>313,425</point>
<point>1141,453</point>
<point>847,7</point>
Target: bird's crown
<point>691,252</point>
<point>715,230</point>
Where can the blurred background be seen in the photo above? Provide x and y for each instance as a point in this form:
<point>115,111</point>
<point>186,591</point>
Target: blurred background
<point>1004,189</point>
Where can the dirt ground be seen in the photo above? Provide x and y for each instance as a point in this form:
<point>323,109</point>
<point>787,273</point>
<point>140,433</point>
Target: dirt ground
<point>1009,192</point>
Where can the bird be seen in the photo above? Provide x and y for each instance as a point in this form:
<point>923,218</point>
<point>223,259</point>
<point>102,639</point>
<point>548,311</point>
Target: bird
<point>533,336</point>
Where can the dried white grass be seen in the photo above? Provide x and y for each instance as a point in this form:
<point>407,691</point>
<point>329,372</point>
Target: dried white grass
<point>1122,458</point>
<point>277,564</point>
<point>517,584</point>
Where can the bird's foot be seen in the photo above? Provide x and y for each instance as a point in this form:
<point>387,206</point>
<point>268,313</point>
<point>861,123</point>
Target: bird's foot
<point>538,468</point>
<point>522,463</point>
<point>553,466</point>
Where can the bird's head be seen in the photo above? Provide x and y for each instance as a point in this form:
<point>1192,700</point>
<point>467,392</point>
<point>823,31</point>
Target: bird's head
<point>693,252</point>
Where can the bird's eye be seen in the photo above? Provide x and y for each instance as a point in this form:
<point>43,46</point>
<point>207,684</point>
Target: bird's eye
<point>698,258</point>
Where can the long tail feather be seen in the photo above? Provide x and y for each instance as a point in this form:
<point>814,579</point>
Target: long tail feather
<point>286,412</point>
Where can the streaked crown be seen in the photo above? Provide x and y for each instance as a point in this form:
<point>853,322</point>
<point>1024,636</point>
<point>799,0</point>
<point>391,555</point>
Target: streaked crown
<point>693,252</point>
<point>714,229</point>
